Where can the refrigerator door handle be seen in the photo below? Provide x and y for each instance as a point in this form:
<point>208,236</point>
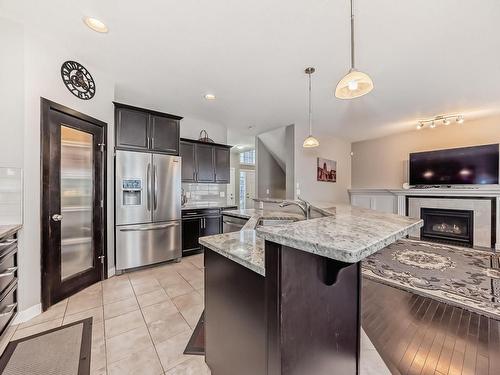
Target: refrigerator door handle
<point>148,183</point>
<point>155,199</point>
<point>144,229</point>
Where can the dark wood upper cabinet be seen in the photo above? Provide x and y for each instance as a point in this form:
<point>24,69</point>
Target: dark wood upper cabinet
<point>205,171</point>
<point>146,130</point>
<point>222,161</point>
<point>187,152</point>
<point>132,129</point>
<point>204,162</point>
<point>164,134</point>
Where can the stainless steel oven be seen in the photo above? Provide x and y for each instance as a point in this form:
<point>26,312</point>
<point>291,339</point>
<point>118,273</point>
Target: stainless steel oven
<point>232,223</point>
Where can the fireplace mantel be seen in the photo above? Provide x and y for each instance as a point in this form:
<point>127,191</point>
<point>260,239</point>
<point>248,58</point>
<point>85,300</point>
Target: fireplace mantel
<point>395,200</point>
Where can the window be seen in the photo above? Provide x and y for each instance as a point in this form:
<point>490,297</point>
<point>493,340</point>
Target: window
<point>247,157</point>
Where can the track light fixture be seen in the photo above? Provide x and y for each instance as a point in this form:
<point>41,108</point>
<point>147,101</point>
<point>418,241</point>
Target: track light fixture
<point>444,119</point>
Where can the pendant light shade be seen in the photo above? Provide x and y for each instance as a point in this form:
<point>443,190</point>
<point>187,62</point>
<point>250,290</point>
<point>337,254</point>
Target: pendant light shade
<point>310,141</point>
<point>355,83</point>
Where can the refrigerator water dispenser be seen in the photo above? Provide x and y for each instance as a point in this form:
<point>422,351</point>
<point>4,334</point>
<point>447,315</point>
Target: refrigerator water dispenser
<point>132,191</point>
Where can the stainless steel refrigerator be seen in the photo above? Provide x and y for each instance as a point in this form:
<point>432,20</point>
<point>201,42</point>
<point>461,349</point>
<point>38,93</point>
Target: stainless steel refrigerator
<point>148,209</point>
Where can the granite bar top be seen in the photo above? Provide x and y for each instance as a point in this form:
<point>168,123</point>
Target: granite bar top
<point>243,247</point>
<point>349,235</point>
<point>7,230</point>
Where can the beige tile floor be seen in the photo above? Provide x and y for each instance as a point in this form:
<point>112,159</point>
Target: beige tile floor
<point>144,319</point>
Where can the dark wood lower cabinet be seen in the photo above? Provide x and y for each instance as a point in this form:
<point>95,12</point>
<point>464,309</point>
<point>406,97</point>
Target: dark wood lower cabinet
<point>198,223</point>
<point>235,326</point>
<point>303,317</point>
<point>191,229</point>
<point>8,279</point>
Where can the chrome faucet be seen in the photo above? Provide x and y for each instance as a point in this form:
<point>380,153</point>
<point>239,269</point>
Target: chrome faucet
<point>305,206</point>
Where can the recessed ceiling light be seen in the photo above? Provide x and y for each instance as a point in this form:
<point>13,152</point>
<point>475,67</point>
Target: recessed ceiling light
<point>210,96</point>
<point>95,24</point>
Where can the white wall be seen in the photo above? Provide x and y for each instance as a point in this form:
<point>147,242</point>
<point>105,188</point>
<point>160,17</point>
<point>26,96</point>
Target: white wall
<point>42,62</point>
<point>11,94</point>
<point>191,128</point>
<point>381,162</point>
<point>306,162</point>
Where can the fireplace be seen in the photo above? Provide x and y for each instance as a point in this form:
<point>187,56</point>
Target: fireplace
<point>448,226</point>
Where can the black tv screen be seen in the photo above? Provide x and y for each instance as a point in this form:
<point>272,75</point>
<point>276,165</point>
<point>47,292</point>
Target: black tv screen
<point>458,166</point>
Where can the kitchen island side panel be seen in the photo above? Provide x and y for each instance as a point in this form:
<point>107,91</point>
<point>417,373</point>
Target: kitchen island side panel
<point>313,313</point>
<point>235,325</point>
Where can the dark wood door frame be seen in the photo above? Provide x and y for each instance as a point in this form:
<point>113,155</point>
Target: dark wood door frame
<point>45,107</point>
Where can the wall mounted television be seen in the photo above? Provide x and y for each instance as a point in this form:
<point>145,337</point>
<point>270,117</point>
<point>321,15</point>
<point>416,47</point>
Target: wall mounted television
<point>477,165</point>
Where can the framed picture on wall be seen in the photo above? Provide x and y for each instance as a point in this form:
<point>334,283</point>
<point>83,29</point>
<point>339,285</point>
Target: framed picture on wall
<point>326,170</point>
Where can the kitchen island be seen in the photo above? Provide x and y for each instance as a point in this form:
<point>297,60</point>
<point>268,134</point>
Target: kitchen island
<point>286,299</point>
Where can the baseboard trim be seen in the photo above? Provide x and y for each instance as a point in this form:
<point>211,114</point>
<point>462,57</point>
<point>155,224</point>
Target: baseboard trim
<point>29,313</point>
<point>111,272</point>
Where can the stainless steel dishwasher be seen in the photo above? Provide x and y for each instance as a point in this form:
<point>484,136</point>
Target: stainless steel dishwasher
<point>232,223</point>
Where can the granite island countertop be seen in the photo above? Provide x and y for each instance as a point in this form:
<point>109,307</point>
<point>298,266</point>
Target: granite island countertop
<point>245,247</point>
<point>349,234</point>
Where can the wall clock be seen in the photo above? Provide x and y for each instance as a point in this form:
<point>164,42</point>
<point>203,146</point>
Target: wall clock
<point>78,80</point>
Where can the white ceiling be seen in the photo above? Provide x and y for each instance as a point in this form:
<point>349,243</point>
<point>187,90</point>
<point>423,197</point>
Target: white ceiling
<point>426,57</point>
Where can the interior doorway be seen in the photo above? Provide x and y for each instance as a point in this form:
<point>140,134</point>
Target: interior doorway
<point>73,218</point>
<point>247,188</point>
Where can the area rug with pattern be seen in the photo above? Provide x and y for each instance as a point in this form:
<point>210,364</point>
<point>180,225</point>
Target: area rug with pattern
<point>463,277</point>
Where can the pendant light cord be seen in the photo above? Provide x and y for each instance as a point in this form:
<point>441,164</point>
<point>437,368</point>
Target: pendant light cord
<point>352,37</point>
<point>310,105</point>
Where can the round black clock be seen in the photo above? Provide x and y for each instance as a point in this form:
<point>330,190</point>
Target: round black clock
<point>78,80</point>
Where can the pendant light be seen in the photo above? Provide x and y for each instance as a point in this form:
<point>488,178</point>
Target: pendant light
<point>355,83</point>
<point>310,141</point>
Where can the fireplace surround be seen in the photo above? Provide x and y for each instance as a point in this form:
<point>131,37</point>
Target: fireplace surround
<point>450,226</point>
<point>484,201</point>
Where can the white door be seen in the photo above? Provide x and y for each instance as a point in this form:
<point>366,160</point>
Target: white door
<point>231,191</point>
<point>247,188</point>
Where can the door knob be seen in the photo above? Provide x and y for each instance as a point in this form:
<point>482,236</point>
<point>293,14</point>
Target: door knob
<point>57,217</point>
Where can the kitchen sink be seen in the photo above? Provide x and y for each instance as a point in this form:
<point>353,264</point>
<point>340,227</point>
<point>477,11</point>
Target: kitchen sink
<point>272,222</point>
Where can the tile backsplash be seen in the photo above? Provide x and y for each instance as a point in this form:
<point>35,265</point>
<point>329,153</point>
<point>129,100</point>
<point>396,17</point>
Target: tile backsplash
<point>209,194</point>
<point>11,196</point>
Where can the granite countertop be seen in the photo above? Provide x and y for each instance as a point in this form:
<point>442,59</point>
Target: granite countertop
<point>349,234</point>
<point>7,230</point>
<point>195,206</point>
<point>243,247</point>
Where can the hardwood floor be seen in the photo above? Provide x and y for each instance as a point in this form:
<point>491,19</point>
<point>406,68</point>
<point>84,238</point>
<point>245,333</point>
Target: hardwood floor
<point>419,335</point>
